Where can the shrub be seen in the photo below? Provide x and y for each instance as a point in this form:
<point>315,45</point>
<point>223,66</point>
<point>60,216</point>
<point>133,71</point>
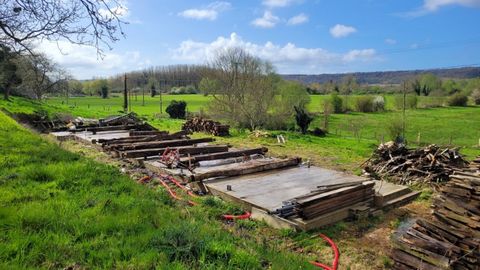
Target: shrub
<point>104,91</point>
<point>411,102</point>
<point>458,99</point>
<point>303,119</point>
<point>153,91</point>
<point>378,104</point>
<point>476,96</point>
<point>364,104</point>
<point>395,129</point>
<point>176,109</point>
<point>337,103</point>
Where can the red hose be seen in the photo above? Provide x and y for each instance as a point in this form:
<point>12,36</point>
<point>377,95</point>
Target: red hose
<point>232,217</point>
<point>336,255</point>
<point>173,180</point>
<point>173,195</point>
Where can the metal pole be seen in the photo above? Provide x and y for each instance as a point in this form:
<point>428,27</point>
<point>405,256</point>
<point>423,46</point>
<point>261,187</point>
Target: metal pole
<point>404,105</point>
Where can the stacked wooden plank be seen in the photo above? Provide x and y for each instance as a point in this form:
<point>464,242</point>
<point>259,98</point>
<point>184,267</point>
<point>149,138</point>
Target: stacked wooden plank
<point>396,163</point>
<point>328,199</point>
<point>198,124</point>
<point>452,240</point>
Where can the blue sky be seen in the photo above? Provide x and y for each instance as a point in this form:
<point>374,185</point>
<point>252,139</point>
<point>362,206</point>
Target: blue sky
<point>297,36</point>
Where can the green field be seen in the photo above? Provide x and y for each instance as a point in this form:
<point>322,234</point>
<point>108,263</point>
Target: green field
<point>455,126</point>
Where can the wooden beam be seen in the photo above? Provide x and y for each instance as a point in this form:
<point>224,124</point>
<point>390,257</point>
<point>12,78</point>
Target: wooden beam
<point>183,150</point>
<point>224,155</point>
<point>247,168</point>
<point>159,144</point>
<point>106,128</point>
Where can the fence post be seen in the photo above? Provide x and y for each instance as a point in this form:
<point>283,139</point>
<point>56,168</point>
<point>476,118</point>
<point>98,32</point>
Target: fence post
<point>418,138</point>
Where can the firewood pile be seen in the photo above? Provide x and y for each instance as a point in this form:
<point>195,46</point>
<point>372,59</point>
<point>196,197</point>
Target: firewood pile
<point>198,124</point>
<point>327,199</point>
<point>396,163</point>
<point>452,240</point>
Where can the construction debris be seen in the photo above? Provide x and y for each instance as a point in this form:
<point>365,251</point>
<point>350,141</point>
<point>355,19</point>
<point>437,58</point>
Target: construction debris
<point>452,240</point>
<point>198,124</point>
<point>396,163</point>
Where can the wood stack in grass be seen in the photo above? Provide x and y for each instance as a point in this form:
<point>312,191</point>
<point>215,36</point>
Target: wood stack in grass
<point>331,198</point>
<point>398,164</point>
<point>452,240</point>
<point>198,124</point>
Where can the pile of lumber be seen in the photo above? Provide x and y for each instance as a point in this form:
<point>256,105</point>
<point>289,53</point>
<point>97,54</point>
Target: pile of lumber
<point>198,124</point>
<point>396,163</point>
<point>327,199</point>
<point>452,240</point>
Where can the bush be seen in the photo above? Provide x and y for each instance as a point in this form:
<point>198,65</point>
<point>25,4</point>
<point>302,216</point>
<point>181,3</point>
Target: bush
<point>476,96</point>
<point>395,129</point>
<point>379,104</point>
<point>337,103</point>
<point>104,91</point>
<point>458,99</point>
<point>364,104</point>
<point>176,109</point>
<point>411,102</point>
<point>303,119</point>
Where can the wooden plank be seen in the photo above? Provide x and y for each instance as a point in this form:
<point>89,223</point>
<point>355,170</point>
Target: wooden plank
<point>223,155</point>
<point>147,132</point>
<point>183,150</point>
<point>160,144</point>
<point>246,169</point>
<point>107,128</point>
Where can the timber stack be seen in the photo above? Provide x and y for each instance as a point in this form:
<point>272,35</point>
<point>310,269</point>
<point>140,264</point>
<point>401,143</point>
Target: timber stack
<point>452,239</point>
<point>198,124</point>
<point>427,165</point>
<point>327,199</point>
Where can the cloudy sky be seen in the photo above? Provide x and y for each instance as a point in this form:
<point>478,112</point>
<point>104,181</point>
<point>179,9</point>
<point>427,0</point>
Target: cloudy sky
<point>297,36</point>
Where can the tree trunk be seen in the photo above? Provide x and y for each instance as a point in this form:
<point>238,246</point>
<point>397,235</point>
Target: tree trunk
<point>6,93</point>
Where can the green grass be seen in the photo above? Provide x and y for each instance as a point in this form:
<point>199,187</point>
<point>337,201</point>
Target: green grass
<point>343,148</point>
<point>59,209</point>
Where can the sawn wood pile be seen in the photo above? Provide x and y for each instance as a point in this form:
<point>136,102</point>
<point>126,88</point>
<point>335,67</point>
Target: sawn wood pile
<point>452,239</point>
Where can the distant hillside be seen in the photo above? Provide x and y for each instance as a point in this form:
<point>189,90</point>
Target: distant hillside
<point>387,77</point>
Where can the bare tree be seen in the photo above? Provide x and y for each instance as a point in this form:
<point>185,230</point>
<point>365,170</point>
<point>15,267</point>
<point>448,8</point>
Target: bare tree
<point>40,75</point>
<point>242,87</point>
<point>85,22</point>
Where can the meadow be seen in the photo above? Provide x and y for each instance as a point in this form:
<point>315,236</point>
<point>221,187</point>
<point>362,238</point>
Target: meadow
<point>352,135</point>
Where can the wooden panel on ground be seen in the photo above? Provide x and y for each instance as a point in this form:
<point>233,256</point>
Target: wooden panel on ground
<point>273,221</point>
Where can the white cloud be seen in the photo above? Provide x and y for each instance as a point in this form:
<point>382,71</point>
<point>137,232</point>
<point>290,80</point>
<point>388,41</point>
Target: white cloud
<point>390,41</point>
<point>414,46</point>
<point>430,6</point>
<point>267,21</point>
<point>433,5</point>
<point>298,19</point>
<point>83,63</point>
<point>340,30</point>
<point>288,58</point>
<point>210,12</point>
<point>278,3</point>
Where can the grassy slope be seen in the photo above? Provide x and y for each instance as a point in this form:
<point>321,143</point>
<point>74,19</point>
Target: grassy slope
<point>58,209</point>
